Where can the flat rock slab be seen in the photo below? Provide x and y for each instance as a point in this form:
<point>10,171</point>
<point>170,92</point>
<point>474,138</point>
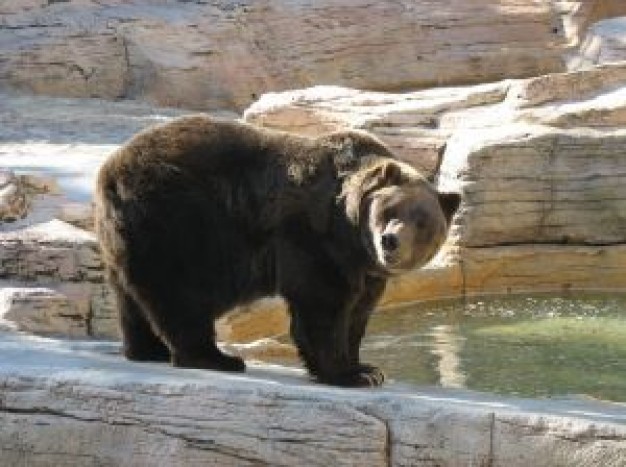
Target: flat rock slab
<point>79,403</point>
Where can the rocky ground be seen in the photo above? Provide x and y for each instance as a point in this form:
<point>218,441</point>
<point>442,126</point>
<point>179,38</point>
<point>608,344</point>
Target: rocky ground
<point>77,404</point>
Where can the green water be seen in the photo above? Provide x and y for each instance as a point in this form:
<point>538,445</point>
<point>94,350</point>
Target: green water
<point>537,346</point>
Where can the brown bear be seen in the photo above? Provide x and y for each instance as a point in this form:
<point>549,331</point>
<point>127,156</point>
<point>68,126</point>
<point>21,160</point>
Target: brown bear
<point>196,216</point>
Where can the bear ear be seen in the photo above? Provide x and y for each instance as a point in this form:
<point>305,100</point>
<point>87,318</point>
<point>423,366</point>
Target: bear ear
<point>386,174</point>
<point>391,174</point>
<point>449,204</point>
<point>367,181</point>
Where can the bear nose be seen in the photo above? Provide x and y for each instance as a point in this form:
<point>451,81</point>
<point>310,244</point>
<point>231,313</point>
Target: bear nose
<point>390,242</point>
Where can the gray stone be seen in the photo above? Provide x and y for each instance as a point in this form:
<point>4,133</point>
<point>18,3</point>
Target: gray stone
<point>604,42</point>
<point>528,185</point>
<point>74,403</point>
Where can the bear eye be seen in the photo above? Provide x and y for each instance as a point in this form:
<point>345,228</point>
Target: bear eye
<point>420,218</point>
<point>390,213</point>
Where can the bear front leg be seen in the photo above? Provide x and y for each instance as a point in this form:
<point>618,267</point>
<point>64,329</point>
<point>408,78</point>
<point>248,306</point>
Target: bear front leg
<point>322,290</point>
<point>328,333</point>
<point>372,289</point>
<point>320,345</point>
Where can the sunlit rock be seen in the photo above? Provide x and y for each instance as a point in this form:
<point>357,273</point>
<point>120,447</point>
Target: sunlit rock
<point>539,162</point>
<point>42,311</point>
<point>67,401</point>
<point>216,55</point>
<point>65,261</point>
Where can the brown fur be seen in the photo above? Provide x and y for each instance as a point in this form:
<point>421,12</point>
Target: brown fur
<point>197,216</point>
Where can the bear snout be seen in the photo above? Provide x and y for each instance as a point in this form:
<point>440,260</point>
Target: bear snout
<point>390,242</point>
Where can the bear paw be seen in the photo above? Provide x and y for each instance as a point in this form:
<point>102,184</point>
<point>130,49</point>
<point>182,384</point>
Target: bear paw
<point>220,362</point>
<point>363,376</point>
<point>370,375</point>
<point>154,354</point>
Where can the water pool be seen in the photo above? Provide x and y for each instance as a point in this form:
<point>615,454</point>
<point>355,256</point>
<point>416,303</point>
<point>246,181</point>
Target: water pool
<point>537,346</point>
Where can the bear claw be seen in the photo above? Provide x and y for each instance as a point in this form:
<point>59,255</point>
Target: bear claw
<point>371,376</point>
<point>363,376</point>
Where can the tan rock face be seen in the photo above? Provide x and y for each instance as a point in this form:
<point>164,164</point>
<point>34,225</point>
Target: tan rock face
<point>409,123</point>
<point>539,163</point>
<point>215,55</point>
<point>64,260</point>
<point>538,185</point>
<point>42,311</point>
<point>543,268</point>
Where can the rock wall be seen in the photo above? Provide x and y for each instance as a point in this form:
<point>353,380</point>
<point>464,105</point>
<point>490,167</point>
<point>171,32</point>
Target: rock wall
<point>51,277</point>
<point>224,54</point>
<point>52,282</point>
<point>539,163</point>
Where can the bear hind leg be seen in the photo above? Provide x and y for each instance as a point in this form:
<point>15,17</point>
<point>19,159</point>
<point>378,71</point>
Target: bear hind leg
<point>188,330</point>
<point>198,350</point>
<point>140,343</point>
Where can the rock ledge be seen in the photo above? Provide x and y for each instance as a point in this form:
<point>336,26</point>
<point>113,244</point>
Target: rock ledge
<point>77,403</point>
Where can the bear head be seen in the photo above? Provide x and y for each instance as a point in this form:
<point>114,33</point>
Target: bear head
<point>403,219</point>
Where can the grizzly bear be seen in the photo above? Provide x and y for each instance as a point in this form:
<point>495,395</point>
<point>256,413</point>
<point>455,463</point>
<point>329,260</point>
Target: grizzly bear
<point>196,216</point>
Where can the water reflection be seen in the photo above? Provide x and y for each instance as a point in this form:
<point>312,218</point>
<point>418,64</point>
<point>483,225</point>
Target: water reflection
<point>447,344</point>
<point>530,346</point>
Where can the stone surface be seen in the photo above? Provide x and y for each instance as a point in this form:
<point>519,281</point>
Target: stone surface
<point>77,214</point>
<point>542,268</point>
<point>263,349</point>
<point>537,185</point>
<point>50,251</point>
<point>13,200</point>
<point>65,261</point>
<point>407,122</point>
<point>216,55</point>
<point>76,403</point>
<point>42,311</point>
<point>260,319</point>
